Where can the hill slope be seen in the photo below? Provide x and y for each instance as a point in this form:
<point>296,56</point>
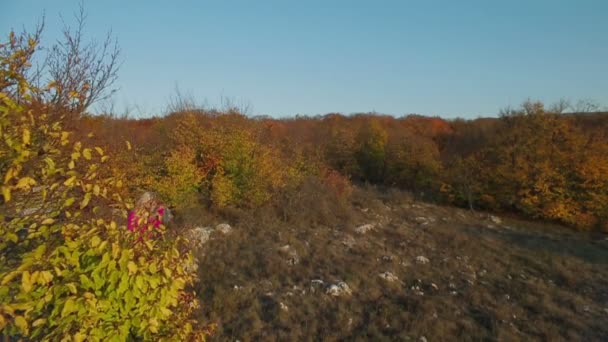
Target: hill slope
<point>411,269</point>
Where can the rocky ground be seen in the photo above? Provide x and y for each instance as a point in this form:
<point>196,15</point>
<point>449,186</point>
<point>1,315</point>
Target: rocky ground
<point>398,269</point>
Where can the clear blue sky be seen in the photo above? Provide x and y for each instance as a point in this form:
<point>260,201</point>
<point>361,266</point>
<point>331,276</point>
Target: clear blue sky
<point>448,58</point>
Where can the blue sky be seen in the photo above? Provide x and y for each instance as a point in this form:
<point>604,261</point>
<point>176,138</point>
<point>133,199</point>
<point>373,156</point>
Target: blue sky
<point>447,58</point>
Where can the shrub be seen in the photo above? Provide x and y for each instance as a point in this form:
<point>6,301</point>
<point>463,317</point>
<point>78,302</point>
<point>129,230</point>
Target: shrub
<point>69,270</point>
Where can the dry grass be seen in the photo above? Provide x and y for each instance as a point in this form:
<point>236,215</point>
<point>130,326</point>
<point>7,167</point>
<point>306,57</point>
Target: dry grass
<point>513,281</point>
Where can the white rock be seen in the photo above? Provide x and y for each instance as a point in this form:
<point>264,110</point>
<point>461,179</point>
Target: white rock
<point>422,260</point>
<point>223,228</point>
<point>388,276</point>
<point>421,220</point>
<point>283,306</point>
<point>434,286</point>
<point>495,219</point>
<point>339,289</point>
<point>29,211</point>
<point>364,228</point>
<point>348,241</point>
<point>200,235</point>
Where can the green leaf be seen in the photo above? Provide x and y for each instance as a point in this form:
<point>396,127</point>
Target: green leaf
<point>68,307</point>
<point>72,288</point>
<point>124,284</point>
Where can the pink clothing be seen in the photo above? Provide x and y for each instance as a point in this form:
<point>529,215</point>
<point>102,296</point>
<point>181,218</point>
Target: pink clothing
<point>154,221</point>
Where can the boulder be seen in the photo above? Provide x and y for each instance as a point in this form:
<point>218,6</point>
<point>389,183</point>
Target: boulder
<point>495,219</point>
<point>421,259</point>
<point>339,289</point>
<point>199,236</point>
<point>364,228</point>
<point>223,228</point>
<point>388,276</point>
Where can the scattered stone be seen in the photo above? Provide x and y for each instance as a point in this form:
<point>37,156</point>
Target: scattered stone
<point>495,219</point>
<point>422,260</point>
<point>387,258</point>
<point>417,290</point>
<point>422,339</point>
<point>349,241</point>
<point>223,228</point>
<point>606,310</point>
<point>200,235</point>
<point>283,307</point>
<point>339,289</point>
<point>364,228</point>
<point>29,211</point>
<point>388,276</point>
<point>434,286</point>
<point>421,220</point>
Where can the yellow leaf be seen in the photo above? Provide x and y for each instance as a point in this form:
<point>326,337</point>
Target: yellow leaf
<point>68,202</point>
<point>104,158</point>
<point>26,136</point>
<point>25,183</point>
<point>128,145</point>
<point>38,322</point>
<point>26,282</point>
<point>47,221</point>
<point>68,307</point>
<point>132,267</point>
<point>2,322</point>
<point>96,190</point>
<point>6,192</point>
<point>46,277</point>
<point>64,138</point>
<point>71,165</point>
<point>21,323</point>
<point>86,153</point>
<point>9,175</point>
<point>72,288</point>
<point>95,240</point>
<point>99,151</point>
<point>85,201</point>
<point>79,337</point>
<point>75,155</point>
<point>69,181</point>
<point>166,311</point>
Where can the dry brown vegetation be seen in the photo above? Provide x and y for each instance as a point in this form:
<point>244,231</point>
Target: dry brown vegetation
<point>515,280</point>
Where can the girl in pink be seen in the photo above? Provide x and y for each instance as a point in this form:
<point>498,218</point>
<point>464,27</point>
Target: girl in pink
<point>146,217</point>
